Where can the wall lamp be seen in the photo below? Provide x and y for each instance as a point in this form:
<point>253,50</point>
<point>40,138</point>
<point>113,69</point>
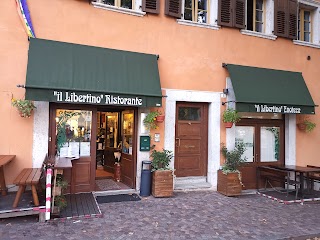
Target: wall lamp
<point>225,91</point>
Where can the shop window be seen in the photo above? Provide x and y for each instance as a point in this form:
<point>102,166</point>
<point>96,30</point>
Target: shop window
<point>73,132</point>
<point>255,15</point>
<point>304,25</point>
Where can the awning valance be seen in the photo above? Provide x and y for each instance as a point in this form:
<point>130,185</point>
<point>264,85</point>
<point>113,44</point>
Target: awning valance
<point>269,90</point>
<point>73,73</point>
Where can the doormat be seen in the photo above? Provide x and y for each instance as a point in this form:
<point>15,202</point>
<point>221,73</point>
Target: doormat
<point>118,198</point>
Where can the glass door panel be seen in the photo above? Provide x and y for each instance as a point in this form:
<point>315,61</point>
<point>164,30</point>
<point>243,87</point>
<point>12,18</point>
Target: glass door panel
<point>245,134</point>
<point>270,144</point>
<point>127,131</point>
<point>73,132</point>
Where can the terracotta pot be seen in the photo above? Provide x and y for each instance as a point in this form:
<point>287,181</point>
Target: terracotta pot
<point>301,126</point>
<point>228,124</point>
<point>160,118</point>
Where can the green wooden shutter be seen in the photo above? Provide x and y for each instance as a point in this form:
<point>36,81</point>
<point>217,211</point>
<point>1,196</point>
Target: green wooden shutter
<point>239,14</point>
<point>151,6</point>
<point>292,19</point>
<point>225,13</point>
<point>280,12</point>
<point>173,8</point>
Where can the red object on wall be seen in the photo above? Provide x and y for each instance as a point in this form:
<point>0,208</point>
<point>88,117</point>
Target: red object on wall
<point>228,124</point>
<point>160,118</point>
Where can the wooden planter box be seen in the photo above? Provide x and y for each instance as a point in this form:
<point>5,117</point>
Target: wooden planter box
<point>229,184</point>
<point>162,183</point>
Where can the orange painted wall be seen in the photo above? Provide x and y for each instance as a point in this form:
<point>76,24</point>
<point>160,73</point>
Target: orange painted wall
<point>190,58</point>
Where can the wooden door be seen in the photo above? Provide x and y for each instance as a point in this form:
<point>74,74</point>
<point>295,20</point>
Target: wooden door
<point>72,133</point>
<point>264,141</point>
<point>128,147</point>
<point>191,139</point>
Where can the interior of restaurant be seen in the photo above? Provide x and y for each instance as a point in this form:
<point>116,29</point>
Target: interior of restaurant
<point>114,137</point>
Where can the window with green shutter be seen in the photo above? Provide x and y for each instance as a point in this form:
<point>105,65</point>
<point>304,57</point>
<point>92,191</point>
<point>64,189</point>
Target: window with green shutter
<point>285,18</point>
<point>231,13</point>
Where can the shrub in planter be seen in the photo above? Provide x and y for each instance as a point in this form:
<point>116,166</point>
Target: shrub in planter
<point>162,181</point>
<point>229,178</point>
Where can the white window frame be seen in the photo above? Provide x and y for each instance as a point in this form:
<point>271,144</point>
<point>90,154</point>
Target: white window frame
<point>268,23</point>
<point>301,25</point>
<point>135,11</point>
<point>212,16</point>
<point>315,24</point>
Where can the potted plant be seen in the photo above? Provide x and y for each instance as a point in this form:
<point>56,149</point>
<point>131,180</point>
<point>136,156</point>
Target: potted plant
<point>229,177</point>
<point>149,120</point>
<point>306,125</point>
<point>162,175</point>
<point>25,107</point>
<point>60,202</point>
<point>160,117</point>
<point>229,117</point>
<point>60,185</point>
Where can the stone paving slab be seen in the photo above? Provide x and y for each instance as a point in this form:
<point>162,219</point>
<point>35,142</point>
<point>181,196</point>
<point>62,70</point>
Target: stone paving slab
<point>187,215</point>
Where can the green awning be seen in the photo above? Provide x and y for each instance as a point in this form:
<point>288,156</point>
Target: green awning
<point>73,73</point>
<point>269,90</point>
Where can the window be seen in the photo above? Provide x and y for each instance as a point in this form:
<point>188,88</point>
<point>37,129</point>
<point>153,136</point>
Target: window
<point>255,15</point>
<point>133,7</point>
<point>196,10</point>
<point>304,25</point>
<point>120,3</point>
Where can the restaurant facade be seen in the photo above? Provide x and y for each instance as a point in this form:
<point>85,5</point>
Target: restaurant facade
<point>95,70</point>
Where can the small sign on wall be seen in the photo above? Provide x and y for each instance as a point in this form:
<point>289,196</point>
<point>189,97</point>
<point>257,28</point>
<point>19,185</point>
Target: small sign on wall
<point>157,137</point>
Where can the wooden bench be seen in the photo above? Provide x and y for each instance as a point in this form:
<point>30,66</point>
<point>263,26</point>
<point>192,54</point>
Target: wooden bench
<point>314,177</point>
<point>28,177</point>
<point>271,174</point>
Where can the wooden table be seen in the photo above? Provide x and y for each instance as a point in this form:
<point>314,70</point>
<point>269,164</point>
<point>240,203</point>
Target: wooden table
<point>4,159</point>
<point>61,164</point>
<point>304,173</point>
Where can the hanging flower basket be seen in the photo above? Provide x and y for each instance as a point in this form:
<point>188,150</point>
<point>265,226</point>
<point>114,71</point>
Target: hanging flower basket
<point>160,118</point>
<point>301,126</point>
<point>24,107</point>
<point>228,124</point>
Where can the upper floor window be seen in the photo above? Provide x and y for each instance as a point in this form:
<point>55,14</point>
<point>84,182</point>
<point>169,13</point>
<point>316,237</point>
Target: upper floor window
<point>134,7</point>
<point>196,10</point>
<point>120,3</point>
<point>304,25</point>
<point>255,15</point>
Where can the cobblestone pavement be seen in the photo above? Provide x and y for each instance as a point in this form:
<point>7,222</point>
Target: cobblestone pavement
<point>188,215</point>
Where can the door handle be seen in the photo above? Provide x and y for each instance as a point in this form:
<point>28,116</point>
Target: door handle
<point>179,141</point>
